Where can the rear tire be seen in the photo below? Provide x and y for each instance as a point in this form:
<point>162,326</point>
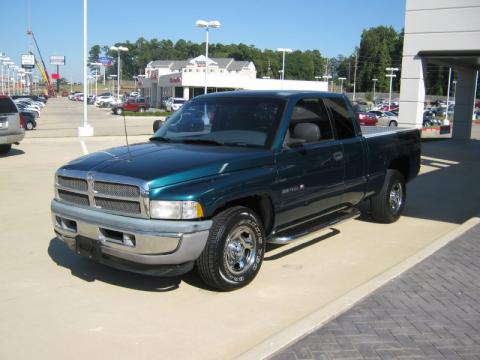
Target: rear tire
<point>388,204</point>
<point>234,251</point>
<point>119,111</point>
<point>5,149</point>
<point>141,109</point>
<point>393,123</point>
<point>29,125</point>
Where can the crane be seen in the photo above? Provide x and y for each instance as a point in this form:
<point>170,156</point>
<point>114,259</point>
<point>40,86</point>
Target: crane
<point>41,67</point>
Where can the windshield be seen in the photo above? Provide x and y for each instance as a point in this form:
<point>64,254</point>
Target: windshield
<point>225,121</point>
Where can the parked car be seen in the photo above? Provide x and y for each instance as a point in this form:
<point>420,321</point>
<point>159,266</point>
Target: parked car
<point>367,119</point>
<point>429,119</point>
<point>12,124</point>
<point>30,120</point>
<point>257,167</point>
<point>104,100</point>
<point>138,104</point>
<point>385,118</point>
<point>175,103</point>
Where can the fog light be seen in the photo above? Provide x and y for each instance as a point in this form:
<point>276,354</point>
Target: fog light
<point>129,240</point>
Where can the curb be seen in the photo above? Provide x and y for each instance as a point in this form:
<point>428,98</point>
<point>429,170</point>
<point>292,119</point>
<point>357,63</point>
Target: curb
<point>318,318</point>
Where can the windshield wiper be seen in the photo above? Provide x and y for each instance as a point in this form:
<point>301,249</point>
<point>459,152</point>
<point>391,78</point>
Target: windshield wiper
<point>202,141</point>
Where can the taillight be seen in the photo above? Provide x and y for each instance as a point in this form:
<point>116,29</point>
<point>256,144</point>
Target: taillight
<point>22,121</point>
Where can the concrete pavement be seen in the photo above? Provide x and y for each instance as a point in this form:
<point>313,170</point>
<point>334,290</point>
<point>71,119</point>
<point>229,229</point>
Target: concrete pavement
<point>57,305</point>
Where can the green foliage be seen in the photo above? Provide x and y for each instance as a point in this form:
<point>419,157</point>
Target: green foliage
<point>380,47</point>
<point>369,96</point>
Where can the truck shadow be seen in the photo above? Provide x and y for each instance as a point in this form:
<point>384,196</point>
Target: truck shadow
<point>13,152</point>
<point>90,271</point>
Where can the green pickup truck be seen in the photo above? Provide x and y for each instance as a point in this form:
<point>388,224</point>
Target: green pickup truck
<point>226,174</point>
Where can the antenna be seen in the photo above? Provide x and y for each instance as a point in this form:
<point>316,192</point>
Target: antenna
<point>126,136</point>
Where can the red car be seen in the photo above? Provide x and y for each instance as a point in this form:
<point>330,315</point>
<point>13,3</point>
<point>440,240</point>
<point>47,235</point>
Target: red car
<point>366,119</point>
<point>138,104</point>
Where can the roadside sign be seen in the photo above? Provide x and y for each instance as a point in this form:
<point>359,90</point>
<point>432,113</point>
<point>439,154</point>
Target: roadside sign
<point>28,61</point>
<point>105,60</point>
<point>55,76</point>
<point>57,60</point>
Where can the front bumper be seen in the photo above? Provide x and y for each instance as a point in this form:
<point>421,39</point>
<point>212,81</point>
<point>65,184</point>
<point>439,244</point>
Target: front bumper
<point>158,247</point>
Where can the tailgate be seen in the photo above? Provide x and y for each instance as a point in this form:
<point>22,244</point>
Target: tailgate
<point>9,124</point>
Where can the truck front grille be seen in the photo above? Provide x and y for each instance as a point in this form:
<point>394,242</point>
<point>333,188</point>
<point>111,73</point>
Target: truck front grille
<point>110,196</point>
<point>73,183</point>
<point>74,198</point>
<point>113,189</point>
<point>123,206</point>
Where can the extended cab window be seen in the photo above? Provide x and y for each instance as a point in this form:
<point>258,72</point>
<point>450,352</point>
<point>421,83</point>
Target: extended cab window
<point>310,121</point>
<point>342,117</point>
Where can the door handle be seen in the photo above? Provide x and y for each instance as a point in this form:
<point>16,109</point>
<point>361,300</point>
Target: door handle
<point>337,156</point>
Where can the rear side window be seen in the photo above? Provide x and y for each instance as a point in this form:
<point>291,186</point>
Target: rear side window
<point>312,111</point>
<point>7,106</point>
<point>342,117</point>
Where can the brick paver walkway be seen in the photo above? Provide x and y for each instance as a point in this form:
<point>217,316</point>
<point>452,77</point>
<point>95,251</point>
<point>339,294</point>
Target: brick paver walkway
<point>432,311</point>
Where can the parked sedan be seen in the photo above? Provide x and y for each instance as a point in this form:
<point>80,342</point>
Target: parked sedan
<point>30,122</point>
<point>385,118</point>
<point>175,104</point>
<point>366,119</point>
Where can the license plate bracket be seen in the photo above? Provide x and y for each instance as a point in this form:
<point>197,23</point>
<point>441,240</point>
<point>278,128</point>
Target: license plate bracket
<point>87,247</point>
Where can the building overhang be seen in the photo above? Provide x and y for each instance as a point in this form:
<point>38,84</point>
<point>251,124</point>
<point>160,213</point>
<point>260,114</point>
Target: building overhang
<point>464,58</point>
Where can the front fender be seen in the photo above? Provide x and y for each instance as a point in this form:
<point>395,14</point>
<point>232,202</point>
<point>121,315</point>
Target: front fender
<point>215,191</point>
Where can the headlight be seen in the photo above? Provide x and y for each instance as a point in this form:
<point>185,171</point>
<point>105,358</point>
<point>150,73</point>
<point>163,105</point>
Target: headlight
<point>175,209</point>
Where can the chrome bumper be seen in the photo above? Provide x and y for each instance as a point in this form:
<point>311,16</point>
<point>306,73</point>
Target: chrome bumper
<point>142,241</point>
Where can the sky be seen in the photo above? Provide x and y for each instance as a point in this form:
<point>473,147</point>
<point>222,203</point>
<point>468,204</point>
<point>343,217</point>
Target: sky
<point>333,27</point>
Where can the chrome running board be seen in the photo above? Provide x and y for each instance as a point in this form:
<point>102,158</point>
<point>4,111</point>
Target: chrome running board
<point>290,235</point>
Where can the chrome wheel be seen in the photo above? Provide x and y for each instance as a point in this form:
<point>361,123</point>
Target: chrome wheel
<point>240,250</point>
<point>396,197</point>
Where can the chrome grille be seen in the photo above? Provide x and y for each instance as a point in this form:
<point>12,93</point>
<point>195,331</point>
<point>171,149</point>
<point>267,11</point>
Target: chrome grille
<point>113,189</point>
<point>73,183</point>
<point>129,207</point>
<point>74,198</point>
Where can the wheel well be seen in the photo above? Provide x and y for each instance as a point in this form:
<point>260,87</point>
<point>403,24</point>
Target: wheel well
<point>402,165</point>
<point>260,204</point>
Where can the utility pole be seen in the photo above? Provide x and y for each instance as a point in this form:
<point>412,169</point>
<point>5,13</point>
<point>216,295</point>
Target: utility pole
<point>374,83</point>
<point>355,75</point>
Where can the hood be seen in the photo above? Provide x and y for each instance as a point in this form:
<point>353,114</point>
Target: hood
<point>162,164</point>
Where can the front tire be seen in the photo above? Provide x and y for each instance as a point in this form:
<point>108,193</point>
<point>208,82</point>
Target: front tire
<point>234,251</point>
<point>393,123</point>
<point>388,204</point>
<point>29,125</point>
<point>141,109</point>
<point>119,111</point>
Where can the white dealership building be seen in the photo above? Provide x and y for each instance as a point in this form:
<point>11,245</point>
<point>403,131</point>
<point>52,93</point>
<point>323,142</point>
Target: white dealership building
<point>444,32</point>
<point>186,78</point>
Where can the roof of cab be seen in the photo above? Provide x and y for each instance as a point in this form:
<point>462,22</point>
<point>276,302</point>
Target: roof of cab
<point>283,94</point>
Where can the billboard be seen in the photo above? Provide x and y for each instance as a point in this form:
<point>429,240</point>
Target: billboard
<point>105,60</point>
<point>57,60</point>
<point>28,61</point>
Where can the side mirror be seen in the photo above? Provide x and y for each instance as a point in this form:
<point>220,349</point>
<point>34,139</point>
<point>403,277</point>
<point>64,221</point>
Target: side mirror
<point>157,124</point>
<point>295,142</point>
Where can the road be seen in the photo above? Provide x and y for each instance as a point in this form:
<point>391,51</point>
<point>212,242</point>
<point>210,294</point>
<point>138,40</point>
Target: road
<point>57,305</point>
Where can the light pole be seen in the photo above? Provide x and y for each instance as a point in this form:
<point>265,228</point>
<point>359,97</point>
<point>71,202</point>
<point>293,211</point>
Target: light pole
<point>118,49</point>
<point>97,66</point>
<point>214,24</point>
<point>86,129</point>
<point>283,51</point>
<point>112,77</point>
<point>445,121</point>
<point>391,76</point>
<point>342,79</point>
<point>374,85</point>
<point>326,78</point>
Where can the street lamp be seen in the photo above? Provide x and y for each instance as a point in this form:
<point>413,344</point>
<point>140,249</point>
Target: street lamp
<point>391,76</point>
<point>374,85</point>
<point>326,78</point>
<point>112,77</point>
<point>97,64</point>
<point>342,79</point>
<point>284,50</point>
<point>214,24</point>
<point>118,49</point>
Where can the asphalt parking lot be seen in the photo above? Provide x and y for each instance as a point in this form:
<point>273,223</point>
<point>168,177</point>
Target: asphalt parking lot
<point>57,305</point>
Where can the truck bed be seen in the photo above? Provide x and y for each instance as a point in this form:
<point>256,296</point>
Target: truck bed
<point>372,131</point>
